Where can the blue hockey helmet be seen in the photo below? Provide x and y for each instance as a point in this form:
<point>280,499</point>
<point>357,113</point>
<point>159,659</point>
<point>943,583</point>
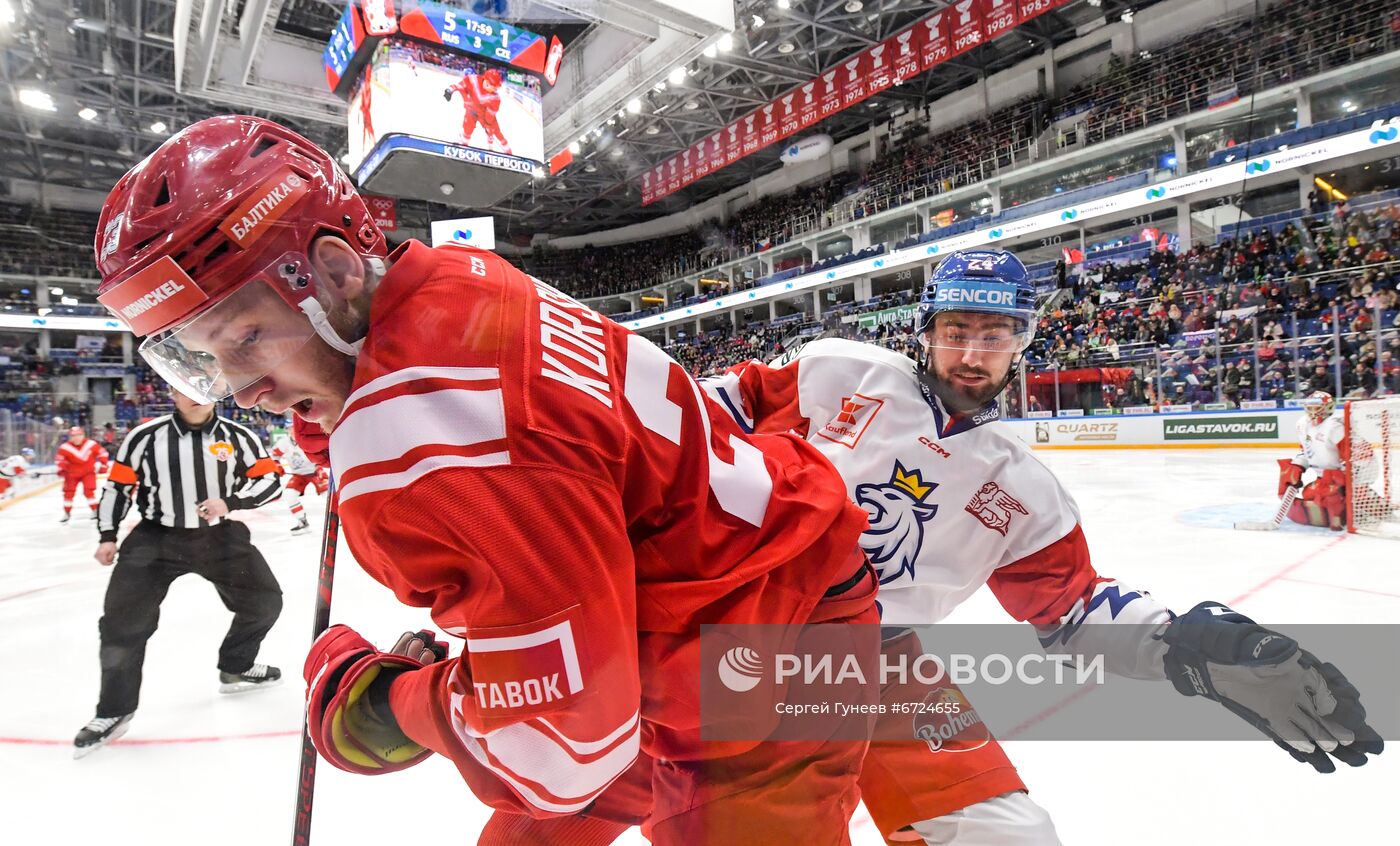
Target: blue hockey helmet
<point>27,454</point>
<point>985,281</point>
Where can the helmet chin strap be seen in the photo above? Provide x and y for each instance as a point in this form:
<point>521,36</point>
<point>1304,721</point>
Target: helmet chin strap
<point>320,321</point>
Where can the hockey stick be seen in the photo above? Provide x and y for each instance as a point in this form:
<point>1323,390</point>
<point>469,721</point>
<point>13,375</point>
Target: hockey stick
<point>306,781</point>
<point>1262,526</point>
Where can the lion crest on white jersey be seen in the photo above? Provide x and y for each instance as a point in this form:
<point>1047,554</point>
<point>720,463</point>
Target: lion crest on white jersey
<point>897,511</point>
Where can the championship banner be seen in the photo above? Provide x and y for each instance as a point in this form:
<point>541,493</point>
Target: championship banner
<point>384,210</point>
<point>999,16</point>
<point>894,61</point>
<point>965,28</point>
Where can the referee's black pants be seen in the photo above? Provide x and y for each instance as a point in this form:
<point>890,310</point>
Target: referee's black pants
<point>152,557</point>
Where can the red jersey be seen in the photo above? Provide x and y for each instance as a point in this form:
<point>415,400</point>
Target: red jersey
<point>563,496</point>
<point>78,460</point>
<point>473,95</point>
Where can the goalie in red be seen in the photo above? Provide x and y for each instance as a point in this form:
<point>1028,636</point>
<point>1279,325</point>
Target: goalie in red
<point>1322,447</point>
<point>481,100</point>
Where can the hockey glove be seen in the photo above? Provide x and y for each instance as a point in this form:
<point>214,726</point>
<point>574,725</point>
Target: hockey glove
<point>347,700</point>
<point>1290,475</point>
<point>313,441</point>
<point>1305,706</point>
<point>447,94</point>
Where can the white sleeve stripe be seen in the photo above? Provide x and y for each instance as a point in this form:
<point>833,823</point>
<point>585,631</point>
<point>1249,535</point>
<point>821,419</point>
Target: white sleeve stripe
<point>409,374</point>
<point>529,794</point>
<point>522,753</point>
<point>591,747</point>
<point>392,427</point>
<point>404,478</point>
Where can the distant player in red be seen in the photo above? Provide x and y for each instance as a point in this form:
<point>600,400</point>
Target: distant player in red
<point>557,491</point>
<point>79,461</point>
<point>366,116</point>
<point>481,102</point>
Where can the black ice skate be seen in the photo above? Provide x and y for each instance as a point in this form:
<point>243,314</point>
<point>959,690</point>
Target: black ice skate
<point>98,733</point>
<point>302,527</point>
<point>65,518</point>
<point>253,678</point>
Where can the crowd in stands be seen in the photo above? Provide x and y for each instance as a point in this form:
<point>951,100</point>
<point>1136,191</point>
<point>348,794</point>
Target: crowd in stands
<point>1230,322</point>
<point>599,271</point>
<point>57,242</point>
<point>1152,325</point>
<point>1245,320</point>
<point>1294,39</point>
<point>934,164</point>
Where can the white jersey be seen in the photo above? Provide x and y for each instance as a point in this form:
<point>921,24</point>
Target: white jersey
<point>15,465</point>
<point>1319,443</point>
<point>954,501</point>
<point>290,456</point>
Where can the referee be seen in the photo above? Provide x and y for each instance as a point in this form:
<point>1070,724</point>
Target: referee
<point>185,471</point>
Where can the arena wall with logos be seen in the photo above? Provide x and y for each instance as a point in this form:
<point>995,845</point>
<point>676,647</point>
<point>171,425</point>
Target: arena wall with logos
<point>1272,428</point>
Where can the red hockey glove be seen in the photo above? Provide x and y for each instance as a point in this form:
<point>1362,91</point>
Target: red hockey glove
<point>313,441</point>
<point>1290,475</point>
<point>347,700</point>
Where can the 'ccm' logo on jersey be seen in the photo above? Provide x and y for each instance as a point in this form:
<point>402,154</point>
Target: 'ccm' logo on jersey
<point>977,296</point>
<point>526,669</point>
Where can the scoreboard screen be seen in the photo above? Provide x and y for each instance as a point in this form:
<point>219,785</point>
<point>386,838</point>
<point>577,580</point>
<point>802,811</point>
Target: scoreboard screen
<point>459,30</point>
<point>346,38</point>
<point>455,105</point>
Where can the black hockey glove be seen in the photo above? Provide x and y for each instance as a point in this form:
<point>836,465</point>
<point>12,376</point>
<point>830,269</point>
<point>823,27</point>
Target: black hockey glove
<point>1305,706</point>
<point>447,93</point>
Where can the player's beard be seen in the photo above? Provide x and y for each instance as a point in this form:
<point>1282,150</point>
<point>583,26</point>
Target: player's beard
<point>961,396</point>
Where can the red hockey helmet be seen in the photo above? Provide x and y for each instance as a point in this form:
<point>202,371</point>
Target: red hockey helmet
<point>224,203</point>
<point>493,76</point>
<point>1319,406</point>
<point>77,432</point>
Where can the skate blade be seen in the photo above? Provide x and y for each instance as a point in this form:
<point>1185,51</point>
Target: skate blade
<point>84,751</point>
<point>245,687</point>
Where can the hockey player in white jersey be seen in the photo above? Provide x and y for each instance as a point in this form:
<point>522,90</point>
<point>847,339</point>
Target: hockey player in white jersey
<point>1322,448</point>
<point>301,473</point>
<point>955,503</point>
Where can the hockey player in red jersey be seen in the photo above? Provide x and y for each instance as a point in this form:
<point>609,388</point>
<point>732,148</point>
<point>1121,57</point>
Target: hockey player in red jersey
<point>79,460</point>
<point>557,491</point>
<point>481,101</point>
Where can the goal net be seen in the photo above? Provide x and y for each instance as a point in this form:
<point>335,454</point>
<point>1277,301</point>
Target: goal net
<point>1373,469</point>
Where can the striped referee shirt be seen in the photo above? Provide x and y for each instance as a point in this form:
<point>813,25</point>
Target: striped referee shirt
<point>167,468</point>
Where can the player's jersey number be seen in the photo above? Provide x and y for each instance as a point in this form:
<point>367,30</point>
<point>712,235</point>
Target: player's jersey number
<point>741,488</point>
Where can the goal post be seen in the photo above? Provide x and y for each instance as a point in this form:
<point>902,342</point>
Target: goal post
<point>1373,466</point>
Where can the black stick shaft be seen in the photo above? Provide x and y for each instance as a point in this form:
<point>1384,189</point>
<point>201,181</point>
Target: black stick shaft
<point>306,779</point>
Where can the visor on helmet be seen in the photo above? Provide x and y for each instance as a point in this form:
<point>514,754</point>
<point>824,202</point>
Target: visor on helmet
<point>240,339</point>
